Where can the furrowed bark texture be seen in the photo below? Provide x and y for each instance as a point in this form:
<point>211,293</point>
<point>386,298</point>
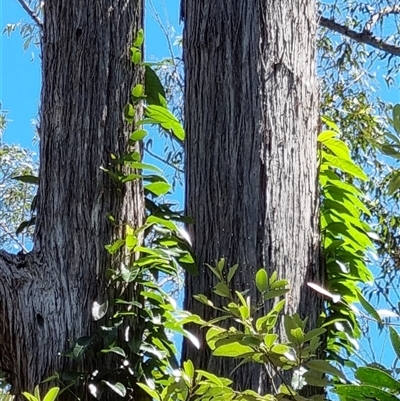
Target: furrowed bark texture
<point>251,111</point>
<point>46,296</point>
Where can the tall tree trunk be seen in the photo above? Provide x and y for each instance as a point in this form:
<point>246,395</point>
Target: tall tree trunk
<point>46,296</point>
<point>251,112</point>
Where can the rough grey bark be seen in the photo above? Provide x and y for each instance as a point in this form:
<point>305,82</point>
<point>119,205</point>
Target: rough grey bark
<point>46,296</point>
<point>251,112</point>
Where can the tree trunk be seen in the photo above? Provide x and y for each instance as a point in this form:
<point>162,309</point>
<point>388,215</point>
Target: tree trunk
<point>251,112</point>
<point>46,296</point>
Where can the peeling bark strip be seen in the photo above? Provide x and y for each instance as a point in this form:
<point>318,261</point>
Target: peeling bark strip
<point>47,295</point>
<point>251,109</point>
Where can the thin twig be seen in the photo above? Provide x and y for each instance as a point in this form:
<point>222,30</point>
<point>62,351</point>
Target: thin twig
<point>164,161</point>
<point>31,13</point>
<point>14,238</point>
<point>379,15</point>
<point>360,37</point>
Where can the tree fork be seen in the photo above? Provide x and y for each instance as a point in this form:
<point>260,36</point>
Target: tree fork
<point>46,296</point>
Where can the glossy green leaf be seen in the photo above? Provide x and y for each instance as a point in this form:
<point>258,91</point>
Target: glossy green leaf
<point>139,38</point>
<point>232,350</point>
<point>155,93</point>
<point>346,166</point>
<point>129,113</point>
<point>369,308</point>
<point>222,290</point>
<point>338,148</point>
<point>394,183</point>
<point>138,135</point>
<point>27,179</point>
<point>158,188</point>
<point>232,272</point>
<point>166,119</point>
<point>29,396</point>
<point>137,91</point>
<point>395,340</point>
<point>114,350</point>
<point>377,377</point>
<point>262,280</point>
<point>118,388</point>
<point>348,392</point>
<point>396,118</point>
<point>189,369</point>
<point>99,311</point>
<point>322,366</point>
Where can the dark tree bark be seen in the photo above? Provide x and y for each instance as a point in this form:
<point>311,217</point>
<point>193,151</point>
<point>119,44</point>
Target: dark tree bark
<point>251,112</point>
<point>46,296</point>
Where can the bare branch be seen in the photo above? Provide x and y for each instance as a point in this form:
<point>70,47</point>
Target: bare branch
<point>31,13</point>
<point>379,15</point>
<point>360,37</point>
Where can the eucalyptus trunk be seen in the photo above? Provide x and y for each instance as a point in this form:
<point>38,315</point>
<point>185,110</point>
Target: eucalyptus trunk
<point>46,295</point>
<point>251,113</point>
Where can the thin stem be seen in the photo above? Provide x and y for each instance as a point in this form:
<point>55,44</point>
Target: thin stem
<point>31,13</point>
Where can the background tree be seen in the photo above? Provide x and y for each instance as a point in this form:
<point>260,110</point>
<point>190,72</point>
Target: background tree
<point>251,115</point>
<point>46,295</point>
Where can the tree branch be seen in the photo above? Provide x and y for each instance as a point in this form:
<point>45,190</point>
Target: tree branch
<point>379,15</point>
<point>31,13</point>
<point>361,37</point>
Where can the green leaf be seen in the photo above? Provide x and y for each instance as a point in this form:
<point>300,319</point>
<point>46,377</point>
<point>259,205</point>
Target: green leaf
<point>395,340</point>
<point>376,377</point>
<point>139,38</point>
<point>270,340</point>
<point>27,179</point>
<point>350,392</point>
<point>137,91</point>
<point>338,148</point>
<point>166,119</point>
<point>163,222</point>
<point>280,349</point>
<point>262,280</point>
<point>158,188</point>
<point>114,350</point>
<point>369,308</point>
<point>232,272</point>
<point>213,379</point>
<point>394,183</point>
<point>346,166</point>
<point>51,394</point>
<point>118,388</point>
<point>297,335</point>
<point>313,333</point>
<point>136,55</point>
<point>138,135</point>
<point>232,350</point>
<point>155,93</point>
<point>326,135</point>
<point>222,290</point>
<point>29,396</point>
<point>322,366</point>
<point>81,346</point>
<point>153,394</point>
<point>26,224</point>
<point>396,118</point>
<point>99,311</point>
<point>129,113</point>
<point>189,369</point>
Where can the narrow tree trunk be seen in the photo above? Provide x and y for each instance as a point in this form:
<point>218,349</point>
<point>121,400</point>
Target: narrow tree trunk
<point>251,112</point>
<point>46,296</point>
